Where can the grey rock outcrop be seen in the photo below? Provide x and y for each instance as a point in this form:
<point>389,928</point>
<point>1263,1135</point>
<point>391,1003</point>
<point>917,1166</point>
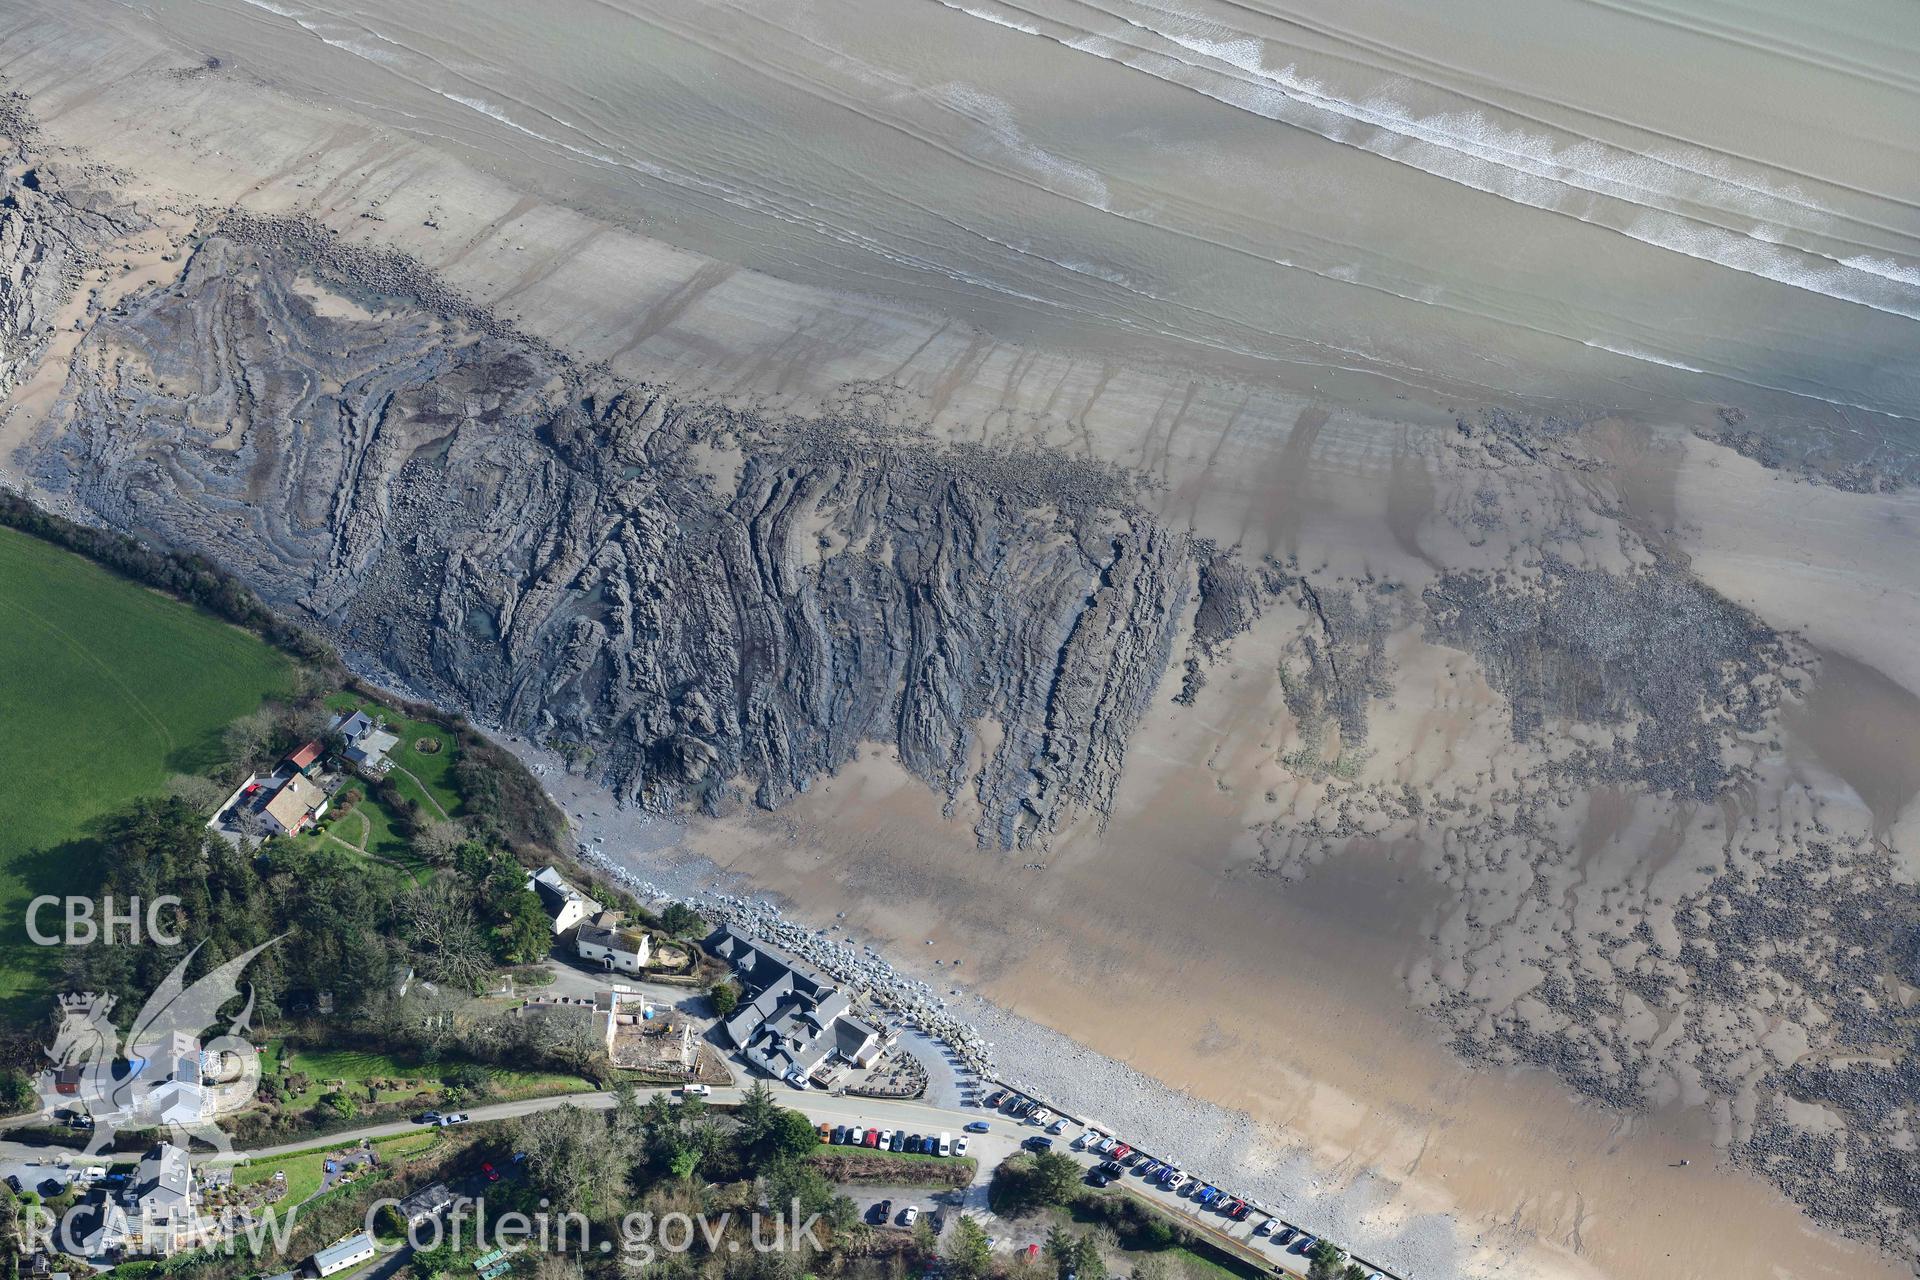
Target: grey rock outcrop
<point>692,594</point>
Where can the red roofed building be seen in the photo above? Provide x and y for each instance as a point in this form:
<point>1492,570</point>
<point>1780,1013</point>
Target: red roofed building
<point>305,758</point>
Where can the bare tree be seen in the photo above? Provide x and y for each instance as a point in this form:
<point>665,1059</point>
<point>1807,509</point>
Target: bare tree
<point>248,739</point>
<point>438,842</point>
<point>201,794</point>
<point>448,943</point>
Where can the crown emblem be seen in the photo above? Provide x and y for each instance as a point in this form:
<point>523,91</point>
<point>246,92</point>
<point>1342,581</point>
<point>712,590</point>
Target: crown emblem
<point>86,1004</point>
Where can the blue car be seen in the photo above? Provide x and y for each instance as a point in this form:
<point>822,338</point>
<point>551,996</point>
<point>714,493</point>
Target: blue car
<point>1208,1195</point>
<point>930,1146</point>
<point>978,1126</point>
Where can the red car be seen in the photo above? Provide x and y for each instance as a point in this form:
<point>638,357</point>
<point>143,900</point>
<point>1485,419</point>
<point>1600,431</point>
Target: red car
<point>1240,1211</point>
<point>873,1138</point>
<point>493,1174</point>
<point>1120,1151</point>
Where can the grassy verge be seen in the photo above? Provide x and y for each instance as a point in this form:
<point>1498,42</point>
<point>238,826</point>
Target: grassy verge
<point>358,1068</point>
<point>853,1165</point>
<point>1206,1254</point>
<point>109,688</point>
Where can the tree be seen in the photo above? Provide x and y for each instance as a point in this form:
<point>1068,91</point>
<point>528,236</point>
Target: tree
<point>790,1135</point>
<point>756,1112</point>
<point>725,997</point>
<point>1060,1248</point>
<point>248,739</point>
<point>679,919</point>
<point>925,1238</point>
<point>1151,1266</point>
<point>1055,1177</point>
<point>795,1182</point>
<point>574,1159</point>
<point>466,1080</point>
<point>526,935</point>
<point>1325,1261</point>
<point>448,945</point>
<point>438,842</point>
<point>202,794</point>
<point>1087,1262</point>
<point>566,1038</point>
<point>967,1250</point>
<point>842,1214</point>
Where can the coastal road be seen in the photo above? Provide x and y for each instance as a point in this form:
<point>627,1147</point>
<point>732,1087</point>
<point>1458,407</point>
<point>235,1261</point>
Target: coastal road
<point>1003,1138</point>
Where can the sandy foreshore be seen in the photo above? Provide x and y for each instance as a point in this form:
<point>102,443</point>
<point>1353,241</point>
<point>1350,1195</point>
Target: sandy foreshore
<point>1311,1084</point>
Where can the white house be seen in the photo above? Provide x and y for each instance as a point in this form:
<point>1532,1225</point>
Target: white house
<point>367,741</point>
<point>350,1252</point>
<point>294,806</point>
<point>158,1216</point>
<point>613,948</point>
<point>566,904</point>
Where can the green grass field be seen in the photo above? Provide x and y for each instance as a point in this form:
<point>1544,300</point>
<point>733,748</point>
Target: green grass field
<point>106,690</point>
<point>306,1170</point>
<point>355,1066</point>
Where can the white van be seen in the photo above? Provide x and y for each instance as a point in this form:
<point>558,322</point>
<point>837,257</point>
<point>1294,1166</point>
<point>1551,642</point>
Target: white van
<point>946,1144</point>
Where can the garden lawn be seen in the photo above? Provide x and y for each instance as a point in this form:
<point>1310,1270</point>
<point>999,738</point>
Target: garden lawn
<point>424,774</point>
<point>368,831</point>
<point>107,688</point>
<point>306,1170</point>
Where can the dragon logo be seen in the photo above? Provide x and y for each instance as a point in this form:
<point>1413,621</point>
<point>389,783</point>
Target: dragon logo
<point>172,1078</point>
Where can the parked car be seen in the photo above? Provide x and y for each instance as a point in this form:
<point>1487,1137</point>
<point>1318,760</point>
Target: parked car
<point>1305,1243</point>
<point>946,1145</point>
<point>977,1126</point>
<point>897,1140</point>
<point>1095,1178</point>
<point>881,1212</point>
<point>1041,1115</point>
<point>493,1174</point>
<point>1133,1158</point>
<point>1170,1178</point>
<point>453,1117</point>
<point>995,1098</point>
<point>873,1138</point>
<point>960,1145</point>
<point>1038,1143</point>
<point>1086,1139</point>
<point>14,1184</point>
<point>1059,1125</point>
<point>930,1146</point>
<point>826,1132</point>
<point>1263,1227</point>
<point>909,1215</point>
<point>1283,1235</point>
<point>696,1090</point>
<point>1241,1211</point>
<point>427,1117</point>
<point>1120,1151</point>
<point>1111,1168</point>
<point>94,1173</point>
<point>839,1138</point>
